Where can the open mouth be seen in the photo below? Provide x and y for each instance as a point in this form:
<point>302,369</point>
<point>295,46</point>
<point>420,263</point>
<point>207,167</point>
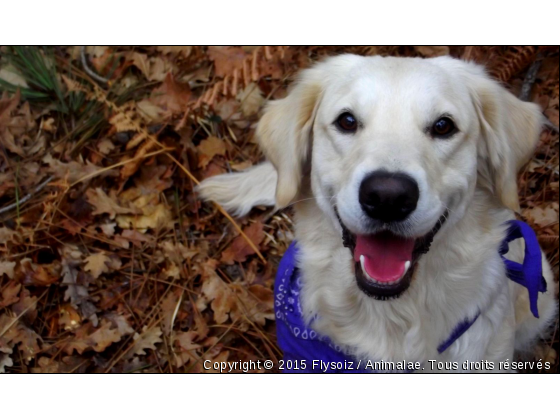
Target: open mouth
<point>384,262</point>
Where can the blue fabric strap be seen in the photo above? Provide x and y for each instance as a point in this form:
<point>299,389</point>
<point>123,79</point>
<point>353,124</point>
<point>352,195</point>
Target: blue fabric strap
<point>457,332</point>
<point>528,274</point>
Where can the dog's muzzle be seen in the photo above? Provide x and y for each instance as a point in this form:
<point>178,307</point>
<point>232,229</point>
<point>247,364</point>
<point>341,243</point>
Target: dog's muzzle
<point>385,263</point>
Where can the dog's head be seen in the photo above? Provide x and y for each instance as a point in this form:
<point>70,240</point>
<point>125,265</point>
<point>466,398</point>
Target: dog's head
<point>396,148</point>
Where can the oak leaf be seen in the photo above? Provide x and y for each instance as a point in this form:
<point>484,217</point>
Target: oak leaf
<point>240,249</point>
<point>10,293</point>
<point>209,148</point>
<point>172,96</point>
<point>7,268</point>
<point>99,263</point>
<point>106,204</point>
<point>146,340</point>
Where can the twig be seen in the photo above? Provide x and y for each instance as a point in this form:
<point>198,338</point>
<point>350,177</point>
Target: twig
<point>220,209</point>
<point>27,197</point>
<point>551,126</point>
<point>88,70</point>
<point>529,80</point>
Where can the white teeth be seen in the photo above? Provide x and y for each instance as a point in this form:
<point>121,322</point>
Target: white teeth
<point>406,267</point>
<point>362,260</point>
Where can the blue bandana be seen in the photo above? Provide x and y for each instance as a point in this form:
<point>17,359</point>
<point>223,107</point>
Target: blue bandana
<point>306,351</point>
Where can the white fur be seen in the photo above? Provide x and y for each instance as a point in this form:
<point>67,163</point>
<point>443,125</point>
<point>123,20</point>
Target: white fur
<point>472,174</point>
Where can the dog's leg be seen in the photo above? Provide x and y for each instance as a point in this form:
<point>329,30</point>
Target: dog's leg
<point>239,192</point>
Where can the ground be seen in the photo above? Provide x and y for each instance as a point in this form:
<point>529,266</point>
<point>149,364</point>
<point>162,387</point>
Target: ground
<point>109,262</point>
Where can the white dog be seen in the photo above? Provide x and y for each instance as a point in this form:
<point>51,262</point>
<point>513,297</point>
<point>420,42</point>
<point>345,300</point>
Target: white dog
<point>403,173</point>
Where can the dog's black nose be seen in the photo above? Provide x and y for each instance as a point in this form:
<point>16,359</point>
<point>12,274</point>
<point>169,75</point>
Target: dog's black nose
<point>388,197</point>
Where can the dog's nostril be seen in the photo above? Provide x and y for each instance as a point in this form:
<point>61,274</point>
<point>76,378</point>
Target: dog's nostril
<point>388,197</point>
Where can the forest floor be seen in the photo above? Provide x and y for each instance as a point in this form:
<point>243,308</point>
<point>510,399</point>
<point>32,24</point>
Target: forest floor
<point>109,262</point>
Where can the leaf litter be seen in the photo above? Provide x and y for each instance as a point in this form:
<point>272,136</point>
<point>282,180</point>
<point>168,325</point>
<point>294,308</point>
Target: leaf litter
<point>114,264</point>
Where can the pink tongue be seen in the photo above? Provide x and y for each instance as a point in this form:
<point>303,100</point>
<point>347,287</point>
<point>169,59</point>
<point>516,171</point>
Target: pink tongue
<point>384,254</point>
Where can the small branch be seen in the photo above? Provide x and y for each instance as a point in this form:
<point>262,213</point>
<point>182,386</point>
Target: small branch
<point>27,197</point>
<point>88,70</point>
<point>529,80</point>
<point>551,126</point>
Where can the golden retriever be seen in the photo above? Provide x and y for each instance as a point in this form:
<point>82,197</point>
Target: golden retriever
<point>381,154</point>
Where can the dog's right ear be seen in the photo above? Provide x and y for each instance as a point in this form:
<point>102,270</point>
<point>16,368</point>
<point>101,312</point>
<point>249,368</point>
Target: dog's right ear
<point>285,130</point>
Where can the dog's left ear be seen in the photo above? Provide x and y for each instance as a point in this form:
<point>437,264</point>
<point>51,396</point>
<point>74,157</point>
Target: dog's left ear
<point>510,130</point>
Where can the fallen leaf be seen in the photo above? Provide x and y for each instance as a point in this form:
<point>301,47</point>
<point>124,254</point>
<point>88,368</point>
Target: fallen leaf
<point>13,331</point>
<point>240,249</point>
<point>227,59</point>
<point>153,68</point>
<point>172,96</point>
<point>7,268</point>
<point>10,74</point>
<point>543,216</point>
<point>99,263</point>
<point>151,112</point>
<point>185,349</point>
<point>10,293</point>
<point>75,170</point>
<point>183,50</point>
<point>106,204</point>
<point>144,341</point>
<point>251,99</point>
<point>222,298</point>
<point>432,50</point>
<point>154,217</point>
<point>209,148</point>
<point>105,146</point>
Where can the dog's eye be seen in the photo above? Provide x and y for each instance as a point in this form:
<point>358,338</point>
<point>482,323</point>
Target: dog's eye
<point>347,122</point>
<point>443,128</point>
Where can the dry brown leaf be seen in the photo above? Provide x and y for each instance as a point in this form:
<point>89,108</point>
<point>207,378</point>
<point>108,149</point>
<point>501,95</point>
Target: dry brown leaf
<point>209,148</point>
<point>7,268</point>
<point>153,68</point>
<point>432,50</point>
<point>75,170</point>
<point>251,99</point>
<point>26,306</point>
<point>184,50</point>
<point>105,146</point>
<point>185,350</point>
<point>155,217</point>
<point>106,204</point>
<point>227,59</point>
<point>98,340</point>
<point>13,331</point>
<point>240,249</point>
<point>172,96</point>
<point>543,216</point>
<point>222,297</point>
<point>146,340</point>
<point>100,263</point>
<point>120,323</point>
<point>151,112</point>
<point>10,293</point>
<point>104,336</point>
<point>6,235</point>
